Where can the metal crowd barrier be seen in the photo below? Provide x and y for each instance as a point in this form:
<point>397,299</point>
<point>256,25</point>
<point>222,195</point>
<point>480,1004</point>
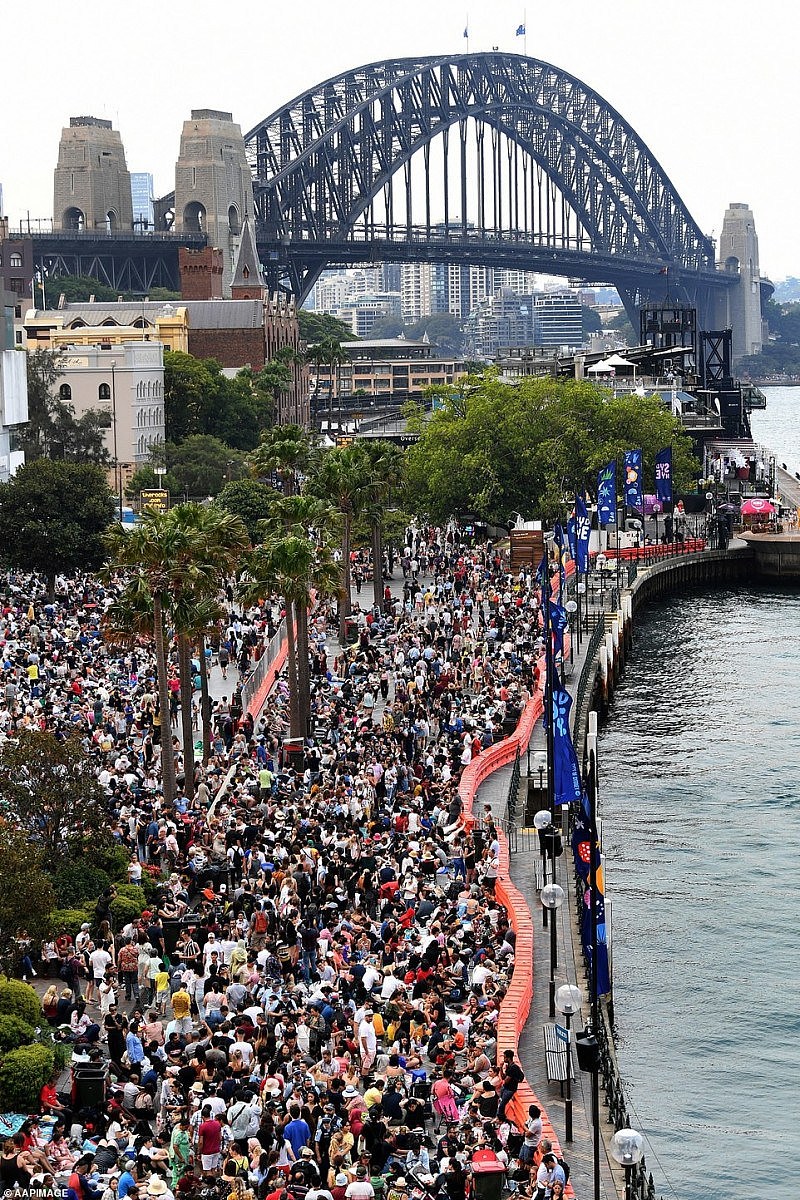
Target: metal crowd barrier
<point>254,680</point>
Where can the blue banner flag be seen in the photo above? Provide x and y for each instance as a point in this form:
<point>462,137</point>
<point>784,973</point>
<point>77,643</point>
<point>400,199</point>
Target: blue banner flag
<point>633,479</point>
<point>607,494</point>
<point>582,843</point>
<point>583,529</point>
<point>520,31</point>
<point>664,475</point>
<point>541,572</point>
<point>603,973</point>
<point>572,539</point>
<point>566,772</point>
<point>466,33</point>
<point>559,620</point>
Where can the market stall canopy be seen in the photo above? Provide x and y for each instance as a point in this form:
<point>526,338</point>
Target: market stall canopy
<point>616,360</point>
<point>605,366</point>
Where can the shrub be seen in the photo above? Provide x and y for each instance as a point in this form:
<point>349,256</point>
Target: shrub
<point>77,882</point>
<point>18,999</point>
<point>128,904</point>
<point>69,920</point>
<point>14,1032</point>
<point>110,858</point>
<point>23,1073</point>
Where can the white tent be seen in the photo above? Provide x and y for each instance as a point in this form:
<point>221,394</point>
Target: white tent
<point>604,367</point>
<point>616,360</point>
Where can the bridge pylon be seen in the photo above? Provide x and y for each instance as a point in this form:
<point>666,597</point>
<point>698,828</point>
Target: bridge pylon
<point>213,184</point>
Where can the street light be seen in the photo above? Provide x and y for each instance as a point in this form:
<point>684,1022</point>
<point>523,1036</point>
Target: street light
<point>627,1147</point>
<point>572,607</point>
<point>541,822</point>
<point>552,897</point>
<point>568,1001</point>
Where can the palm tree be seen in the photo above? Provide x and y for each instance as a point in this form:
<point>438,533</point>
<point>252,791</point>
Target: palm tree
<point>293,564</point>
<point>287,450</point>
<point>342,477</point>
<point>152,551</point>
<point>309,517</point>
<point>387,463</point>
<point>216,539</point>
<point>328,352</point>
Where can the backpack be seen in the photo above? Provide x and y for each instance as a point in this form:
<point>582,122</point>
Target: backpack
<point>564,1167</point>
<point>260,924</point>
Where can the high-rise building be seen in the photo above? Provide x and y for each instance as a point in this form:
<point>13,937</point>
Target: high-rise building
<point>557,320</point>
<point>497,322</point>
<point>467,287</point>
<point>142,199</point>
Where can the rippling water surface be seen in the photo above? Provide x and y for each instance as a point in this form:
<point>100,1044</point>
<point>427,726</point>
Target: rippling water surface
<point>700,782</point>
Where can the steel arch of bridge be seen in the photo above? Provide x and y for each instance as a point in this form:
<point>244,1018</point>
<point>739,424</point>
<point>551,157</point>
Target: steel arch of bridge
<point>610,212</point>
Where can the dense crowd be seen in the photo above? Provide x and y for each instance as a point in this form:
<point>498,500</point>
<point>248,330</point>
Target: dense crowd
<point>308,1009</point>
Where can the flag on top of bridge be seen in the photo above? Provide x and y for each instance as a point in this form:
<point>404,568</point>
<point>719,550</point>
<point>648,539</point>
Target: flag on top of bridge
<point>583,529</point>
<point>607,494</point>
<point>466,32</point>
<point>633,479</point>
<point>664,475</point>
<point>520,31</point>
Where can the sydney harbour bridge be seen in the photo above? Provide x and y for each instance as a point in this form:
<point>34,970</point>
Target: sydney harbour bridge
<point>484,158</point>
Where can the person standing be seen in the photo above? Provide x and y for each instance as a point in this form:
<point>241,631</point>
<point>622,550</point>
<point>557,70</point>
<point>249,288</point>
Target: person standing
<point>209,1141</point>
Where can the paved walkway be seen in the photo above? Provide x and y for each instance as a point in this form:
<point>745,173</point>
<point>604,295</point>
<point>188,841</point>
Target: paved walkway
<point>525,872</point>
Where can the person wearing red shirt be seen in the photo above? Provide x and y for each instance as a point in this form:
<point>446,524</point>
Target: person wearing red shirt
<point>209,1137</point>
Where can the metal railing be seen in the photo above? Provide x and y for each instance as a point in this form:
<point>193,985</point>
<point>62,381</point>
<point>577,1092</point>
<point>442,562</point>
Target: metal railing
<point>588,670</point>
<point>512,796</point>
<point>253,682</point>
<point>642,1185</point>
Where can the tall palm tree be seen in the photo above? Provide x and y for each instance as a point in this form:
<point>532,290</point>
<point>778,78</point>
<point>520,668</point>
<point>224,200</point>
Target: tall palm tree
<point>286,562</point>
<point>342,477</point>
<point>310,517</point>
<point>328,352</point>
<point>216,540</point>
<point>152,551</point>
<point>287,450</point>
<point>387,463</point>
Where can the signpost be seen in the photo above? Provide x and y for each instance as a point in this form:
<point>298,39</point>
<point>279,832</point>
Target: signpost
<point>155,500</point>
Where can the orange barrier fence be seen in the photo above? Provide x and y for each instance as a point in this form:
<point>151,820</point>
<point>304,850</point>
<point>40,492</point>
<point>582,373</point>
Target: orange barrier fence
<point>517,1002</point>
<point>656,550</point>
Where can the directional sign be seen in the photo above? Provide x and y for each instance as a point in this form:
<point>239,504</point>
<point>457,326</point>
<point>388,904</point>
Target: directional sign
<point>562,1034</point>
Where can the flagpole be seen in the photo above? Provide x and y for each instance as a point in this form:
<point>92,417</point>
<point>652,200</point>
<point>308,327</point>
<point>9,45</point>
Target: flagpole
<point>525,34</point>
<point>591,788</point>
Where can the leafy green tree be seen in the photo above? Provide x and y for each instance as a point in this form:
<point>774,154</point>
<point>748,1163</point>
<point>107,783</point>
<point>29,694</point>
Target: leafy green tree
<point>445,331</point>
<point>51,794</point>
<point>386,327</point>
<point>200,400</point>
<point>77,289</point>
<point>52,518</point>
<point>250,500</point>
<point>590,321</point>
<point>201,465</point>
<point>26,893</point>
<point>496,448</point>
<point>316,326</point>
<point>53,430</point>
<point>145,478</point>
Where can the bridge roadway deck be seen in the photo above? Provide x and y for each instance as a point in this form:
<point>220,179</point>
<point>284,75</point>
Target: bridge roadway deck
<point>523,863</point>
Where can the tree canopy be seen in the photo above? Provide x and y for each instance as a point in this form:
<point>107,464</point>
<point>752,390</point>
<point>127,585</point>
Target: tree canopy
<point>316,326</point>
<point>53,516</point>
<point>494,449</point>
<point>250,500</point>
<point>53,430</point>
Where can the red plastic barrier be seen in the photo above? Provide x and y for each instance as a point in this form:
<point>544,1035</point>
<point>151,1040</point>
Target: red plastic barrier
<point>670,550</point>
<point>273,671</point>
<point>517,1002</point>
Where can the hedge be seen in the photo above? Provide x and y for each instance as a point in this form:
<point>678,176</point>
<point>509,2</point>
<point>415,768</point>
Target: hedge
<point>23,1073</point>
<point>128,904</point>
<point>18,999</point>
<point>77,883</point>
<point>14,1032</point>
<point>69,920</point>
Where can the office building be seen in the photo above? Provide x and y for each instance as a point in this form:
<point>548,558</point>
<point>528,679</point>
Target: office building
<point>388,368</point>
<point>142,199</point>
<point>557,320</point>
<point>13,388</point>
<point>499,321</point>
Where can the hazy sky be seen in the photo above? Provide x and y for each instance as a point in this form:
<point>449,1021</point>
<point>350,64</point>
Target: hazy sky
<point>710,85</point>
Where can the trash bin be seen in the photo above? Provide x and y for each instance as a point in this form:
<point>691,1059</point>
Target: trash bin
<point>487,1175</point>
<point>88,1085</point>
<point>587,1051</point>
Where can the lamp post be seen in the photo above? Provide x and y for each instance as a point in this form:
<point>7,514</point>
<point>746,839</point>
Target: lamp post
<point>117,468</point>
<point>627,1147</point>
<point>552,897</point>
<point>568,1001</point>
<point>572,607</point>
<point>541,822</point>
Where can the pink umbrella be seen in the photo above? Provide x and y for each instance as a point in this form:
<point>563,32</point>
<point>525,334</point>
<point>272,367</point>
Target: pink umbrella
<point>756,506</point>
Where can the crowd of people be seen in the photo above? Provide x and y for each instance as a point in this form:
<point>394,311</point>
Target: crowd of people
<point>308,1008</point>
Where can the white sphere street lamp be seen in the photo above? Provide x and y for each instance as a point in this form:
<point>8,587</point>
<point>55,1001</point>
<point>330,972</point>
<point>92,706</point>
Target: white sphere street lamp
<point>568,1001</point>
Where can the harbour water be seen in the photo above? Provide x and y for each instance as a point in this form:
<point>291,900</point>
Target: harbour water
<point>700,779</point>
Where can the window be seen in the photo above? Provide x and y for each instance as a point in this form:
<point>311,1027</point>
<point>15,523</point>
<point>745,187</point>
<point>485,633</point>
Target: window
<point>104,392</point>
<point>15,260</point>
<point>65,393</point>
